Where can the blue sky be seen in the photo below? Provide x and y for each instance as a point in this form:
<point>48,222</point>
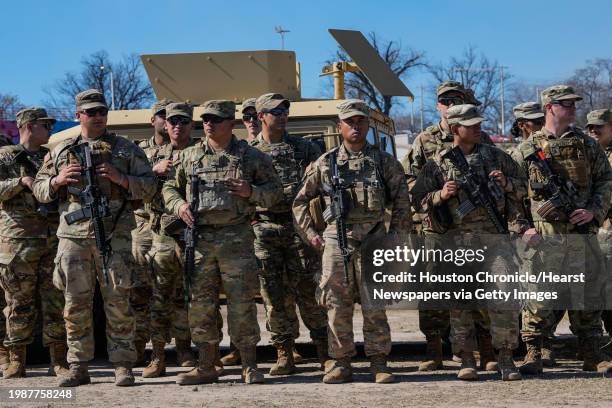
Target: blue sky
<point>537,40</point>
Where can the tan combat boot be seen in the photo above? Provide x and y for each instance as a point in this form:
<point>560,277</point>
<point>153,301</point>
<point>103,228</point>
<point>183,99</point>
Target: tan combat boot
<point>77,375</point>
<point>4,357</point>
<point>141,347</point>
<point>123,374</point>
<point>184,354</point>
<point>297,357</point>
<point>380,372</point>
<point>218,363</point>
<point>506,366</point>
<point>157,366</point>
<point>468,371</point>
<point>250,373</point>
<point>57,353</point>
<point>17,362</point>
<point>593,358</point>
<point>284,362</point>
<point>322,354</point>
<point>231,359</point>
<point>204,372</point>
<point>338,371</point>
<point>433,358</point>
<point>548,355</point>
<point>532,365</point>
<point>488,359</point>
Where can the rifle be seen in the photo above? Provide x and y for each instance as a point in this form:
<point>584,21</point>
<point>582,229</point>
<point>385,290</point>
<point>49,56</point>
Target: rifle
<point>481,192</point>
<point>94,207</point>
<point>191,234</point>
<point>561,194</point>
<point>338,211</point>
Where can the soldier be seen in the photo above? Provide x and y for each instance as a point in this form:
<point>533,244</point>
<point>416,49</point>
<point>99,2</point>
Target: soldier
<point>599,125</point>
<point>232,178</point>
<point>437,185</point>
<point>581,161</point>
<point>364,169</point>
<point>278,246</point>
<point>528,118</point>
<point>250,119</point>
<point>27,248</point>
<point>435,323</point>
<point>123,175</point>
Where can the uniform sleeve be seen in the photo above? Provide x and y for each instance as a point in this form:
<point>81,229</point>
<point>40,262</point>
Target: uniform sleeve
<point>427,188</point>
<point>42,183</point>
<point>9,185</point>
<point>173,190</point>
<point>414,161</point>
<point>516,190</point>
<point>397,188</point>
<point>142,185</point>
<point>267,188</point>
<point>599,202</point>
<point>309,190</point>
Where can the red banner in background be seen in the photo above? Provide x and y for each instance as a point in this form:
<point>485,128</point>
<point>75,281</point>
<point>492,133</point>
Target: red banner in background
<point>9,129</point>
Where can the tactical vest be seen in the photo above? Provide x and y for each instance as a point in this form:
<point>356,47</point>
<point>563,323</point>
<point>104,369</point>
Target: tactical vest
<point>24,165</point>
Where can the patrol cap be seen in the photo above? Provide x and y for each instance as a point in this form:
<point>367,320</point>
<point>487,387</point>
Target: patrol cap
<point>269,101</point>
<point>91,98</point>
<point>465,115</point>
<point>220,107</point>
<point>160,106</point>
<point>448,86</point>
<point>179,109</point>
<point>352,107</point>
<point>559,93</point>
<point>528,110</point>
<point>248,103</point>
<point>28,115</point>
<point>599,117</point>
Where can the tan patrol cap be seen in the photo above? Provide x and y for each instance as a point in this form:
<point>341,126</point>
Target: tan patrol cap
<point>353,107</point>
<point>559,93</point>
<point>248,103</point>
<point>91,98</point>
<point>179,109</point>
<point>528,110</point>
<point>599,117</point>
<point>465,115</point>
<point>448,86</point>
<point>160,106</point>
<point>270,101</point>
<point>32,114</point>
<point>221,107</point>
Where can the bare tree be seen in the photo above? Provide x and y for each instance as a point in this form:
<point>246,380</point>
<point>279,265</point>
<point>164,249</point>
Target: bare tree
<point>9,106</point>
<point>594,84</point>
<point>399,59</point>
<point>131,89</point>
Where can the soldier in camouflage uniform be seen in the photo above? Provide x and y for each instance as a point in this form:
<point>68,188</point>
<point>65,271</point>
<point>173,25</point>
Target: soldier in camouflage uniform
<point>278,247</point>
<point>599,125</point>
<point>580,160</point>
<point>250,120</point>
<point>123,175</point>
<point>27,247</point>
<point>366,172</point>
<point>436,186</point>
<point>435,323</point>
<point>232,178</point>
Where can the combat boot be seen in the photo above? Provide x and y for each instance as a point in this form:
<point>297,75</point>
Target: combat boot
<point>57,353</point>
<point>204,372</point>
<point>250,373</point>
<point>184,354</point>
<point>157,366</point>
<point>140,347</point>
<point>532,365</point>
<point>218,363</point>
<point>548,355</point>
<point>231,359</point>
<point>17,361</point>
<point>77,375</point>
<point>4,357</point>
<point>284,362</point>
<point>433,358</point>
<point>468,371</point>
<point>506,366</point>
<point>297,357</point>
<point>380,372</point>
<point>593,357</point>
<point>123,374</point>
<point>338,371</point>
<point>322,354</point>
<point>488,360</point>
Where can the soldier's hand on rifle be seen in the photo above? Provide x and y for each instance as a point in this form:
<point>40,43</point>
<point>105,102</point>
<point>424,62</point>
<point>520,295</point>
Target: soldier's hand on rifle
<point>67,175</point>
<point>499,178</point>
<point>186,215</point>
<point>449,190</point>
<point>581,216</point>
<point>162,167</point>
<point>26,181</point>
<point>531,237</point>
<point>110,172</point>
<point>238,187</point>
<point>317,242</point>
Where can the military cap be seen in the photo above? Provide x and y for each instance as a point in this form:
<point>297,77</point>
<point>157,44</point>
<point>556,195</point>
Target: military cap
<point>91,98</point>
<point>269,101</point>
<point>222,108</point>
<point>248,103</point>
<point>448,86</point>
<point>528,110</point>
<point>559,93</point>
<point>352,107</point>
<point>28,115</point>
<point>160,106</point>
<point>465,115</point>
<point>599,117</point>
<point>179,109</point>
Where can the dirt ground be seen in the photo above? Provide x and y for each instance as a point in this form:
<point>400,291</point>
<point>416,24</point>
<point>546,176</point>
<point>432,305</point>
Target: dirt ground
<point>565,385</point>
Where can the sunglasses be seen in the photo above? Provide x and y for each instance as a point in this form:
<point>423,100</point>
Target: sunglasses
<point>212,119</point>
<point>451,101</point>
<point>278,111</point>
<point>46,125</point>
<point>565,103</point>
<point>179,120</point>
<point>250,117</point>
<point>95,111</point>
